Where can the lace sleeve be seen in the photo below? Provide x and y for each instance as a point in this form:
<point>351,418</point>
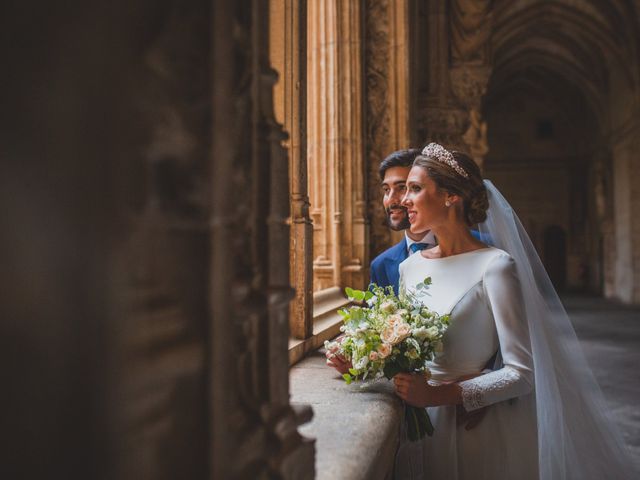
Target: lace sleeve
<point>502,290</point>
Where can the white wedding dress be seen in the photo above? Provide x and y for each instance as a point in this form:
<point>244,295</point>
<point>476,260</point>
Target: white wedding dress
<point>481,291</point>
<point>547,417</point>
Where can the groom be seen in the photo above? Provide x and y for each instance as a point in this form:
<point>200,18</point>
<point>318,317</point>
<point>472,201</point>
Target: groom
<point>385,270</point>
<point>393,174</point>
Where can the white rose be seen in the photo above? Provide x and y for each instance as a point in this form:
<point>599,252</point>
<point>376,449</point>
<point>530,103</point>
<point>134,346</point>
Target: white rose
<point>363,327</point>
<point>412,354</point>
<point>420,333</point>
<point>388,306</point>
<point>432,332</point>
<point>361,363</point>
<point>332,347</point>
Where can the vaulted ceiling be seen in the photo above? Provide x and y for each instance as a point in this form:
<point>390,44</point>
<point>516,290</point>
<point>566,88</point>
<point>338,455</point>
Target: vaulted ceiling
<point>565,46</point>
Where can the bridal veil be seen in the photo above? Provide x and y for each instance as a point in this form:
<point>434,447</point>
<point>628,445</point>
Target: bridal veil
<point>576,439</point>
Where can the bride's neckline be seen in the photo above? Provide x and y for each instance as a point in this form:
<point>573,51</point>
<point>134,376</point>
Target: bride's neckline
<point>455,255</point>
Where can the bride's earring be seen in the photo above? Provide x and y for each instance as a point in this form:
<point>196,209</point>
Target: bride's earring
<point>447,203</point>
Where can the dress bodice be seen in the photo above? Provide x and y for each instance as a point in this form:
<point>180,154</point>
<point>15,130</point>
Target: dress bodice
<point>457,289</point>
<point>481,292</point>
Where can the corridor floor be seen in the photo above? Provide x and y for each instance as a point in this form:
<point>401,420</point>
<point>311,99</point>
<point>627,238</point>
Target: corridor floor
<point>610,336</point>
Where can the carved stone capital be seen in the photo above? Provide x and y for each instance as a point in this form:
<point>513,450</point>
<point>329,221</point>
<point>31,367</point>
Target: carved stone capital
<point>469,84</point>
<point>444,124</point>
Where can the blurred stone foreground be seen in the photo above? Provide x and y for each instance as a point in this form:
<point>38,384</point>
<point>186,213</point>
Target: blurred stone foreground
<point>187,186</point>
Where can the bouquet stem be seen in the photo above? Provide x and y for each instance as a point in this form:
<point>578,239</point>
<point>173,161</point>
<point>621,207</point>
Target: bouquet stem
<point>418,423</point>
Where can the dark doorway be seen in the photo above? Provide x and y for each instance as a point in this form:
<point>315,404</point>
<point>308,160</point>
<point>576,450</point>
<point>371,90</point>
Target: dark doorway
<point>555,256</point>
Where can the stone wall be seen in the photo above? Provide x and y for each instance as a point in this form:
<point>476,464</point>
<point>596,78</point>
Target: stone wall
<point>148,318</point>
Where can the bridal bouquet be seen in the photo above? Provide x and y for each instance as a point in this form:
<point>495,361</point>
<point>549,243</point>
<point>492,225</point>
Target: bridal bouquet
<point>390,335</point>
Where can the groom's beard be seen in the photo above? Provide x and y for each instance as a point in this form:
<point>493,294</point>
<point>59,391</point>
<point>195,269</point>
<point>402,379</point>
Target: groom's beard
<point>397,224</point>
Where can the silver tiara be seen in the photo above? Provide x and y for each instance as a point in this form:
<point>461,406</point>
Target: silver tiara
<point>441,154</point>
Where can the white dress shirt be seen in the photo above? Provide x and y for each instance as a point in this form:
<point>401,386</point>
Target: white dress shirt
<point>429,238</point>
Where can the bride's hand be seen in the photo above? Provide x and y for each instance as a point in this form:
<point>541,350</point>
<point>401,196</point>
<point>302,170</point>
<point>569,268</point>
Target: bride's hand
<point>337,361</point>
<point>414,389</point>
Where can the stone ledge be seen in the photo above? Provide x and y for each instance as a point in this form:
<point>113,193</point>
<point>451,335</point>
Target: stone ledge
<point>356,428</point>
<point>326,323</point>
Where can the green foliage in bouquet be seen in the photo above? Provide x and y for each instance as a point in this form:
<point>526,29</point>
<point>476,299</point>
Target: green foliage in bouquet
<point>387,334</point>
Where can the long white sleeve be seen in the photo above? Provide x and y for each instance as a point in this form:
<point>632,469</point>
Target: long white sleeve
<point>515,378</point>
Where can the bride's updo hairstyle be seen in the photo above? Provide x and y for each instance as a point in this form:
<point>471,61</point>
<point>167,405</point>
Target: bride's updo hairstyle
<point>456,173</point>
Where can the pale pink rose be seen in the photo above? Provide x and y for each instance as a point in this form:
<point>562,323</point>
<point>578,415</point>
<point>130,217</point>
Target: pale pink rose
<point>388,335</point>
<point>393,320</point>
<point>403,330</point>
<point>373,356</point>
<point>384,350</point>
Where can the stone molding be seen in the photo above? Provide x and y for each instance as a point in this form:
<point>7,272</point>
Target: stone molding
<point>388,106</point>
<point>459,66</point>
<point>335,144</point>
<point>469,84</point>
<point>288,53</point>
<point>254,428</point>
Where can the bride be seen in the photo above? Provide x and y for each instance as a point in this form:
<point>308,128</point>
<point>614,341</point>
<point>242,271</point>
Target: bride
<point>545,415</point>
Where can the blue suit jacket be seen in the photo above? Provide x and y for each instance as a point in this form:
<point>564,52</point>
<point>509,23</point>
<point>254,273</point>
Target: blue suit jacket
<point>385,267</point>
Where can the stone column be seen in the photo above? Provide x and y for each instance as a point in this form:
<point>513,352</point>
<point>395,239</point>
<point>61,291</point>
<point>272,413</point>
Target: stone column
<point>388,102</point>
<point>147,271</point>
<point>459,72</point>
<point>335,144</point>
<point>626,178</point>
<point>599,220</point>
<point>253,426</point>
<point>471,23</point>
<point>288,55</point>
<point>440,114</point>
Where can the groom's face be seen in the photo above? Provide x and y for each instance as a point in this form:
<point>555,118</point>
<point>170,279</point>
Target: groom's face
<point>394,187</point>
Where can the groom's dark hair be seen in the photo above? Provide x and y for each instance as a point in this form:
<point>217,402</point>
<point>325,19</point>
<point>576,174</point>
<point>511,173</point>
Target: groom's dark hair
<point>401,158</point>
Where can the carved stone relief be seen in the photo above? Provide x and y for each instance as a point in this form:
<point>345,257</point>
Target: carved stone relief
<point>470,30</point>
<point>388,102</point>
<point>377,52</point>
<point>336,158</point>
<point>254,427</point>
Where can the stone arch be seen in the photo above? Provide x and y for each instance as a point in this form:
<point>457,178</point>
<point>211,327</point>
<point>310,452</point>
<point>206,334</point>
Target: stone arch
<point>579,59</point>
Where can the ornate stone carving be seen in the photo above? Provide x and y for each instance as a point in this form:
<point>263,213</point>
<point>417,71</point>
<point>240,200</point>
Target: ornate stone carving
<point>336,159</point>
<point>388,103</point>
<point>288,52</point>
<point>444,124</point>
<point>161,330</point>
<point>469,84</point>
<point>254,427</point>
<point>377,52</point>
<point>471,22</point>
<point>476,137</point>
